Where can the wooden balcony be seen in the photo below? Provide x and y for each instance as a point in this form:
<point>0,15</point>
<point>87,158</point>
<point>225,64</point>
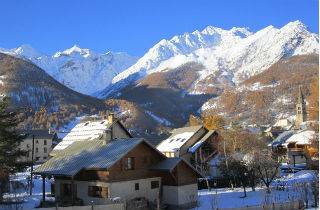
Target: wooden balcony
<point>295,151</point>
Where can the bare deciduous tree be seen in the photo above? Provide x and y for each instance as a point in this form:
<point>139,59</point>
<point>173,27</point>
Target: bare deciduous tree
<point>267,167</point>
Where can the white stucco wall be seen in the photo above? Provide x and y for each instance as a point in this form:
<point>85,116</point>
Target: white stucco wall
<point>180,195</point>
<point>39,155</point>
<point>125,190</point>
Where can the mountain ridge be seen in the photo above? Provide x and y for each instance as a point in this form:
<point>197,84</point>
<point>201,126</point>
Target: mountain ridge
<point>82,70</point>
<point>224,53</point>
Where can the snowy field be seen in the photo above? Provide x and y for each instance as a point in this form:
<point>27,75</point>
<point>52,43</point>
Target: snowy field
<point>286,189</point>
<point>22,194</point>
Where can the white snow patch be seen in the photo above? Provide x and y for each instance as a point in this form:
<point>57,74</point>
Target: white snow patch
<point>173,143</point>
<point>159,119</point>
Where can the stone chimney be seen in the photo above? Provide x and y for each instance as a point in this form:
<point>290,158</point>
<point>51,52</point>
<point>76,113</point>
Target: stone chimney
<point>111,117</point>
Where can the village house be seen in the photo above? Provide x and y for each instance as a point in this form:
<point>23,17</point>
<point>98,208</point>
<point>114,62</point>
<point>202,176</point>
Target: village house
<point>195,144</point>
<point>299,148</point>
<point>42,143</point>
<point>129,169</point>
<point>107,127</point>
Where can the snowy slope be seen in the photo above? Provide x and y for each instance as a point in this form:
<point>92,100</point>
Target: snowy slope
<point>232,55</point>
<point>79,69</point>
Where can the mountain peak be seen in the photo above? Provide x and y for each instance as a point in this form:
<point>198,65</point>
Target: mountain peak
<point>295,25</point>
<point>27,51</point>
<point>211,30</point>
<point>75,49</point>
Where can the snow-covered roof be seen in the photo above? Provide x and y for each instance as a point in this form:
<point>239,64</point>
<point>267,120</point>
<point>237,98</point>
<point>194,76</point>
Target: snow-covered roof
<point>302,138</point>
<point>175,142</point>
<point>282,138</point>
<point>283,123</point>
<point>88,130</point>
<point>202,140</point>
<point>177,139</point>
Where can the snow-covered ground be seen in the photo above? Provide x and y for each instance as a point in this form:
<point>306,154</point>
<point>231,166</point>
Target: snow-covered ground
<point>22,194</point>
<point>288,188</point>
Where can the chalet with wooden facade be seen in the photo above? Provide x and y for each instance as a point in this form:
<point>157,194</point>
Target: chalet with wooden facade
<point>195,144</point>
<point>101,170</point>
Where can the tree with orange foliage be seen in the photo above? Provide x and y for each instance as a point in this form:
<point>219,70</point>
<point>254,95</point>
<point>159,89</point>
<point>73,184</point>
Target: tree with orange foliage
<point>214,122</point>
<point>193,120</point>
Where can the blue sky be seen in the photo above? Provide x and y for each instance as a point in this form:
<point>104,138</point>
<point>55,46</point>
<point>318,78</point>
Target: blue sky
<point>135,26</point>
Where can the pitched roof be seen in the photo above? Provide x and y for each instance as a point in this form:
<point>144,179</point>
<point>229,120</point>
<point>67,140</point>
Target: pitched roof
<point>39,134</point>
<point>282,138</point>
<point>301,138</point>
<point>88,130</point>
<point>169,164</point>
<point>202,140</point>
<point>166,165</point>
<point>87,155</point>
<point>178,138</point>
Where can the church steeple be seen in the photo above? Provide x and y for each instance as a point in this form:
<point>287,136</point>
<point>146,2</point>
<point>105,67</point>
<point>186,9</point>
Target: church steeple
<point>301,114</point>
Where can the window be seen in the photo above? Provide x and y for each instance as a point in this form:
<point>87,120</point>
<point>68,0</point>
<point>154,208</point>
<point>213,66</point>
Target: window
<point>154,184</point>
<point>37,158</point>
<point>28,146</point>
<point>45,149</point>
<point>97,191</point>
<point>44,142</point>
<point>136,186</point>
<point>37,150</point>
<point>130,163</point>
<point>37,142</point>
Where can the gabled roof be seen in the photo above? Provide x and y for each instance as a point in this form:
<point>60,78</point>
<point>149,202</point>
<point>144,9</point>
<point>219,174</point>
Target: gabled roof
<point>169,164</point>
<point>87,131</point>
<point>302,137</point>
<point>282,138</point>
<point>178,138</point>
<point>87,155</point>
<point>202,140</point>
<point>39,134</point>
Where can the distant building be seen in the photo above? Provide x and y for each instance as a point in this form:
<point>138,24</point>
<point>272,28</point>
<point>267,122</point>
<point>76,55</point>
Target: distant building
<point>92,129</point>
<point>299,147</point>
<point>195,144</point>
<point>42,145</point>
<point>279,127</point>
<point>130,169</point>
<point>301,113</point>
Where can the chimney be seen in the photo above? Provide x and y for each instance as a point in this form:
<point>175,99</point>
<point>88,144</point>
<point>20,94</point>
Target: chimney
<point>111,117</point>
<point>104,138</point>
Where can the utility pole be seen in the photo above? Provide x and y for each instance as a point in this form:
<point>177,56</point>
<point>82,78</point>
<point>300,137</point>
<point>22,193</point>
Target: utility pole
<point>32,156</point>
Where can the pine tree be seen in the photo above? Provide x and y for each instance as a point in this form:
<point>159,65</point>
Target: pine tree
<point>9,142</point>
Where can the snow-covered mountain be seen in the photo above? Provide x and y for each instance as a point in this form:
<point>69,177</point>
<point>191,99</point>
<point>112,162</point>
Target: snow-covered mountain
<point>79,69</point>
<point>227,55</point>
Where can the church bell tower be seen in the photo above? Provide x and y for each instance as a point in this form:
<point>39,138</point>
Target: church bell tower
<point>301,114</point>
